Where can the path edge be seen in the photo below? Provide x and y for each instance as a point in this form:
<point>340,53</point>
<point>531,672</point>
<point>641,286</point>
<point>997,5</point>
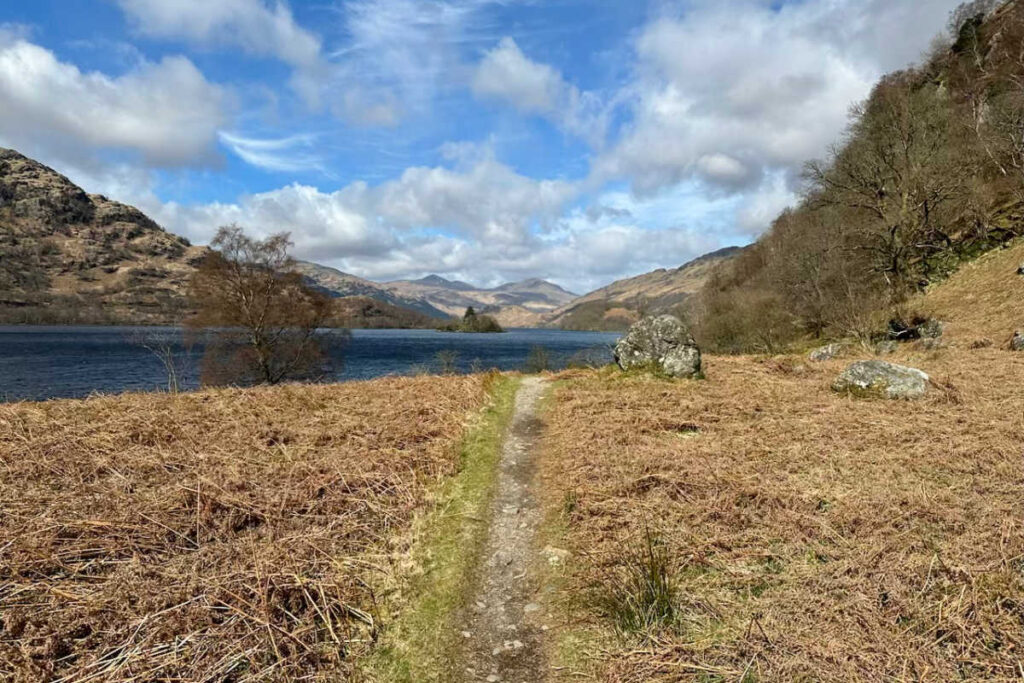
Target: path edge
<point>421,644</point>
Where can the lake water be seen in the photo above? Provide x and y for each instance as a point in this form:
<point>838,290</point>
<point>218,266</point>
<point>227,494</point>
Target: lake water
<point>68,362</point>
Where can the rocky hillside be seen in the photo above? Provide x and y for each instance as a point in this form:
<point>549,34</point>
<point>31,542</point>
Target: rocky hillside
<point>341,284</point>
<point>70,257</point>
<point>516,304</point>
<point>622,303</point>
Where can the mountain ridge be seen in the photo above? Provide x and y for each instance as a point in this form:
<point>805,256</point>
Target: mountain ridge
<point>70,257</point>
<point>619,304</point>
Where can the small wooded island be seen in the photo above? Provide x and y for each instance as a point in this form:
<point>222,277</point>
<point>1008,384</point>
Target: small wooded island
<point>472,322</point>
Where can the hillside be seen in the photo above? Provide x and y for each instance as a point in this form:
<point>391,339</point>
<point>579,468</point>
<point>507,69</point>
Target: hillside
<point>70,257</point>
<point>983,302</point>
<point>363,312</point>
<point>341,284</point>
<point>927,177</point>
<point>515,304</point>
<point>621,303</point>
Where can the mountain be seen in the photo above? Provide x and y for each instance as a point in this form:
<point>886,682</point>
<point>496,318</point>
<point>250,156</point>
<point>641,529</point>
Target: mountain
<point>340,284</point>
<point>618,305</point>
<point>438,281</point>
<point>516,304</point>
<point>367,313</point>
<point>70,257</point>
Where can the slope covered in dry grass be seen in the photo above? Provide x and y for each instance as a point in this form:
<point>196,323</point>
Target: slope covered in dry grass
<point>812,536</point>
<point>218,536</point>
<point>984,299</point>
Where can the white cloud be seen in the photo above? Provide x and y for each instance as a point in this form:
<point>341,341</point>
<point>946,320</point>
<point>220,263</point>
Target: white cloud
<point>724,101</point>
<point>728,92</point>
<point>506,74</point>
<point>253,25</point>
<point>477,222</point>
<point>397,55</point>
<point>290,154</point>
<point>166,111</point>
<point>486,203</point>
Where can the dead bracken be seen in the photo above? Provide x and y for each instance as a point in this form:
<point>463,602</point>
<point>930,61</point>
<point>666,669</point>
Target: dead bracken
<point>219,536</point>
<point>810,536</point>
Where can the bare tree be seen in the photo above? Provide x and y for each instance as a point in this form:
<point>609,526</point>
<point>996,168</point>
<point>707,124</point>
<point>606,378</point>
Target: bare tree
<point>899,176</point>
<point>261,322</point>
<point>162,344</point>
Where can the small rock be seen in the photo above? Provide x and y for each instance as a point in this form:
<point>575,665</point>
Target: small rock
<point>517,645</point>
<point>493,678</point>
<point>1017,342</point>
<point>531,607</point>
<point>932,343</point>
<point>555,556</point>
<point>931,329</point>
<point>886,347</point>
<point>1020,269</point>
<point>502,559</point>
<point>467,634</point>
<point>481,605</point>
<point>824,353</point>
<point>496,651</point>
<point>661,342</point>
<point>876,378</point>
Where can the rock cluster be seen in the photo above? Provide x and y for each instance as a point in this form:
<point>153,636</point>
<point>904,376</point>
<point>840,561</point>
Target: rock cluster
<point>879,379</point>
<point>662,343</point>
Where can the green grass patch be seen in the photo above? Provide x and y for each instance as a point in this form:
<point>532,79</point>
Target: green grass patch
<point>422,643</point>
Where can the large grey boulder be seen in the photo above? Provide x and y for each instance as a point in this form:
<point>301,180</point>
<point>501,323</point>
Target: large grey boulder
<point>662,343</point>
<point>1017,342</point>
<point>879,379</point>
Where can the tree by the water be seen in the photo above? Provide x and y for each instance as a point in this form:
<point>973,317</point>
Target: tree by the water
<point>261,323</point>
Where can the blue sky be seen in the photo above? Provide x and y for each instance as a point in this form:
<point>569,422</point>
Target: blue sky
<point>486,140</point>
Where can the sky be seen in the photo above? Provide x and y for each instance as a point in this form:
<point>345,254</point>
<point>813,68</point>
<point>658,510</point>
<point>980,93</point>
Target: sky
<point>580,141</point>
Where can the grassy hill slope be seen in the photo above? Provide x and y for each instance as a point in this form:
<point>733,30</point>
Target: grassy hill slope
<point>618,305</point>
<point>983,300</point>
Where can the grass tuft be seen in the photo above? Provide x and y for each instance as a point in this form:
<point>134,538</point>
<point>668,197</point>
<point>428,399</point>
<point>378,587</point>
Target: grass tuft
<point>639,594</point>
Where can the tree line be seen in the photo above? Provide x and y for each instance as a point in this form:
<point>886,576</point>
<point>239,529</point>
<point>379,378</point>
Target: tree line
<point>929,172</point>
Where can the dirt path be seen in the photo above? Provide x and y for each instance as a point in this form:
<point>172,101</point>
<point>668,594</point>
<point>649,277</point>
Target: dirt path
<point>503,628</point>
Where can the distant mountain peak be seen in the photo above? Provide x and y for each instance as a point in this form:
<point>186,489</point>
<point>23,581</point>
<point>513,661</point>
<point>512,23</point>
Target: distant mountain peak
<point>438,281</point>
<point>533,283</point>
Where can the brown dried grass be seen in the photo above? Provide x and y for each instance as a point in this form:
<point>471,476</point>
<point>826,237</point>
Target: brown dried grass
<point>814,536</point>
<point>983,300</point>
<point>229,535</point>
